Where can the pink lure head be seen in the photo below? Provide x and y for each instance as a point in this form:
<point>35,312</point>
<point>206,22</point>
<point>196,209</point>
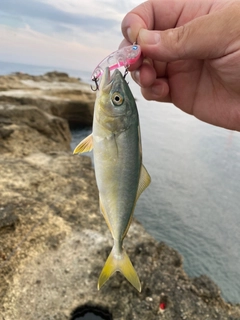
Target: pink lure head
<point>123,57</point>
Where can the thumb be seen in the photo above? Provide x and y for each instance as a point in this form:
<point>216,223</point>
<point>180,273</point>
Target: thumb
<point>206,37</point>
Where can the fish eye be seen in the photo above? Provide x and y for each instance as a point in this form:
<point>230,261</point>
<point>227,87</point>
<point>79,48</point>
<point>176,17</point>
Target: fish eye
<point>117,99</point>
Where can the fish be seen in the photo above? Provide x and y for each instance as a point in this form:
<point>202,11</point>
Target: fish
<point>120,175</point>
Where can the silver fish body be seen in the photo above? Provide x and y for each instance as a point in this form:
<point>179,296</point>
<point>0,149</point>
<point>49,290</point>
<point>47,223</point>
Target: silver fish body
<point>120,175</point>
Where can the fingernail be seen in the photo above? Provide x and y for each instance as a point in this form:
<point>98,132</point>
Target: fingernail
<point>136,76</point>
<point>149,37</point>
<point>130,35</point>
<point>147,61</point>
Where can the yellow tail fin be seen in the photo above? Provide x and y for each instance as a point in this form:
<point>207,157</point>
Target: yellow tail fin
<point>120,263</point>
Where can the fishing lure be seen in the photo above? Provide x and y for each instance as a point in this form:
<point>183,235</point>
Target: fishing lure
<point>123,57</point>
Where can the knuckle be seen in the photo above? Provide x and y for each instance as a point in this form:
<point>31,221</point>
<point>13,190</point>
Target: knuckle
<point>178,40</point>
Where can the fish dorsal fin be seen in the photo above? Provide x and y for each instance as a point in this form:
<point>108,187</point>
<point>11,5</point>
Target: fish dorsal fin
<point>144,181</point>
<point>85,145</point>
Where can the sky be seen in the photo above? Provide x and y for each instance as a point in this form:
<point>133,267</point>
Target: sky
<point>61,33</point>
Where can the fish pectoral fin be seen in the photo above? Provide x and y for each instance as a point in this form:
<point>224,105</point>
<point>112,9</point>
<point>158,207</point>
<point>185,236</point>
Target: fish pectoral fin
<point>85,145</point>
<point>144,181</point>
<point>120,263</point>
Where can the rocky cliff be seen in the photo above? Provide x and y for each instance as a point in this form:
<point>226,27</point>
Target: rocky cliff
<point>53,240</point>
<point>55,93</point>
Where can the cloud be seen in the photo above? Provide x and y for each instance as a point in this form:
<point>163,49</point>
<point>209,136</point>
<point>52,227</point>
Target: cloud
<point>30,10</point>
<point>68,33</point>
<point>113,9</point>
<point>28,46</point>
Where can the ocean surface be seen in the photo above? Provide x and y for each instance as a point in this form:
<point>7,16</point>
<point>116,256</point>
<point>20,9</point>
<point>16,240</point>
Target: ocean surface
<point>193,202</point>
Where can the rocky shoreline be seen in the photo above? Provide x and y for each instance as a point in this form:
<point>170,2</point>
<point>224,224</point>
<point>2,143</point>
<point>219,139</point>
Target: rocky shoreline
<point>53,240</point>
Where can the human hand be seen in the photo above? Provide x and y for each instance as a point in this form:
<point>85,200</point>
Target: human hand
<point>191,56</point>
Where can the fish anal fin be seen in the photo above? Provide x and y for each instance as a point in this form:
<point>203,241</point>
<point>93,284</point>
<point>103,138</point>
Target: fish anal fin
<point>103,211</point>
<point>85,145</point>
<point>144,181</point>
<point>129,223</point>
<point>120,263</point>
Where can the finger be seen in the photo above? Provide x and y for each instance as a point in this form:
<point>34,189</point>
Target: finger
<point>148,71</point>
<point>159,91</point>
<point>136,65</point>
<point>134,21</point>
<point>159,15</point>
<point>206,37</point>
<point>160,68</point>
<point>145,75</point>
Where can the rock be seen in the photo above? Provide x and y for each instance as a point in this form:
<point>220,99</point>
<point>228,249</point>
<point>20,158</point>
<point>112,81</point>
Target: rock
<point>55,93</point>
<point>54,242</point>
<point>7,219</point>
<point>25,129</point>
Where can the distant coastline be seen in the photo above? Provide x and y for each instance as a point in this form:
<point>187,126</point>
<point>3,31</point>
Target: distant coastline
<point>12,67</point>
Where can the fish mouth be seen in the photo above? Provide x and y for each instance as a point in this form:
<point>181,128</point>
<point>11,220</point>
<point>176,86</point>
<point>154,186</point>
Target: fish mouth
<point>108,79</point>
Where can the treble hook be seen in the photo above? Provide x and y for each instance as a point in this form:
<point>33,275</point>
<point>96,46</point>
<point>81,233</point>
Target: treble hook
<point>126,72</point>
<point>96,83</point>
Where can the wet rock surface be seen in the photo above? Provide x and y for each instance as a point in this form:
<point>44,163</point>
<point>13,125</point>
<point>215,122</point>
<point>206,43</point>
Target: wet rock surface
<point>54,242</point>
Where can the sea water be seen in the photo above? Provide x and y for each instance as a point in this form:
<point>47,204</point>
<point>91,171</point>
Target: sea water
<point>193,201</point>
